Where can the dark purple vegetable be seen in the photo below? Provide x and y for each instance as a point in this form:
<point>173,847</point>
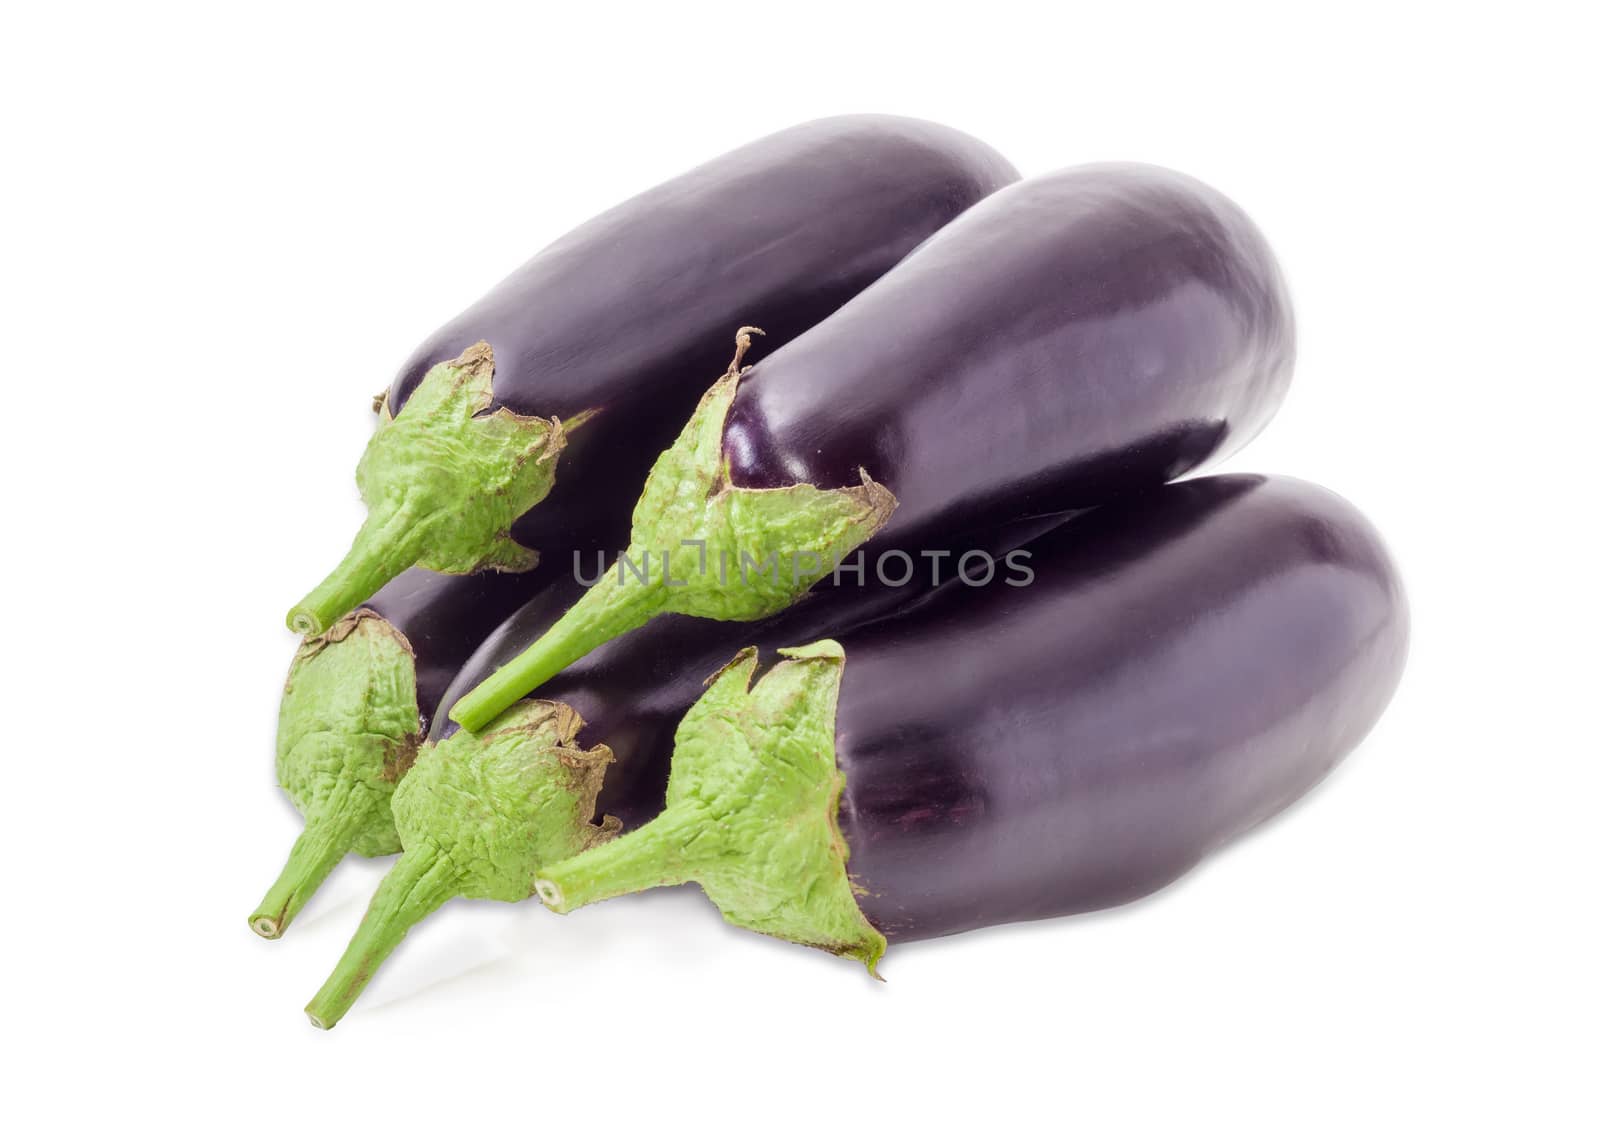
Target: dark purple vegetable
<point>612,329</point>
<point>1184,666</point>
<point>1184,663</point>
<point>632,691</point>
<point>602,342</point>
<point>480,813</point>
<point>1075,337</point>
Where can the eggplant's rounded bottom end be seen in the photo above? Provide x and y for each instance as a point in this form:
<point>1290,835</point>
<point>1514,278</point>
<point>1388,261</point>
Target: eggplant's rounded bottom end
<point>266,926</point>
<point>549,894</point>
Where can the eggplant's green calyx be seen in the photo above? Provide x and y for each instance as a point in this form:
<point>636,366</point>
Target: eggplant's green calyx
<point>443,481</point>
<point>501,802</point>
<point>700,546</point>
<point>477,815</point>
<point>347,730</point>
<point>752,812</point>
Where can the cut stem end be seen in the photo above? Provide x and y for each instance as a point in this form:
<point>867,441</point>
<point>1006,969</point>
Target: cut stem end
<point>420,883</point>
<point>319,847</point>
<point>549,893</point>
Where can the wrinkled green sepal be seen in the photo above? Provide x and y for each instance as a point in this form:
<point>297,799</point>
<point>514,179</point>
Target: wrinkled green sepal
<point>503,801</point>
<point>477,814</point>
<point>752,812</point>
<point>701,546</point>
<point>737,554</point>
<point>443,482</point>
<point>347,728</point>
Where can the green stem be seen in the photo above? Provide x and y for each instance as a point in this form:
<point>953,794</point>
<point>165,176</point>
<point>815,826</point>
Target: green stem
<point>619,602</point>
<point>330,832</point>
<point>386,545</point>
<point>751,813</point>
<point>653,856</point>
<point>421,881</point>
<point>749,552</point>
<point>444,480</point>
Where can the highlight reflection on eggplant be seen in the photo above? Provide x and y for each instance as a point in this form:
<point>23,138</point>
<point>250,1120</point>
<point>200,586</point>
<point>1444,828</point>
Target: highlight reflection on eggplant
<point>1079,336</point>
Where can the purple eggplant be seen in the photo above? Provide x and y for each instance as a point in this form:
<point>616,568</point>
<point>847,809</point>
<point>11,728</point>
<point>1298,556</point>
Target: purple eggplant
<point>471,794</point>
<point>632,691</point>
<point>1182,667</point>
<point>1076,337</point>
<point>613,327</point>
<point>592,352</point>
<point>1137,686</point>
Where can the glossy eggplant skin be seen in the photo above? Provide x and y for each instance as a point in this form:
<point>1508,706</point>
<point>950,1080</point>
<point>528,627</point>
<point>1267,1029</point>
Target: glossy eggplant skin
<point>1182,667</point>
<point>632,691</point>
<point>633,314</point>
<point>1077,336</point>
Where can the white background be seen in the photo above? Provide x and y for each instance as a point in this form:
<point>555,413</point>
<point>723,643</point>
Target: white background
<point>224,226</point>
